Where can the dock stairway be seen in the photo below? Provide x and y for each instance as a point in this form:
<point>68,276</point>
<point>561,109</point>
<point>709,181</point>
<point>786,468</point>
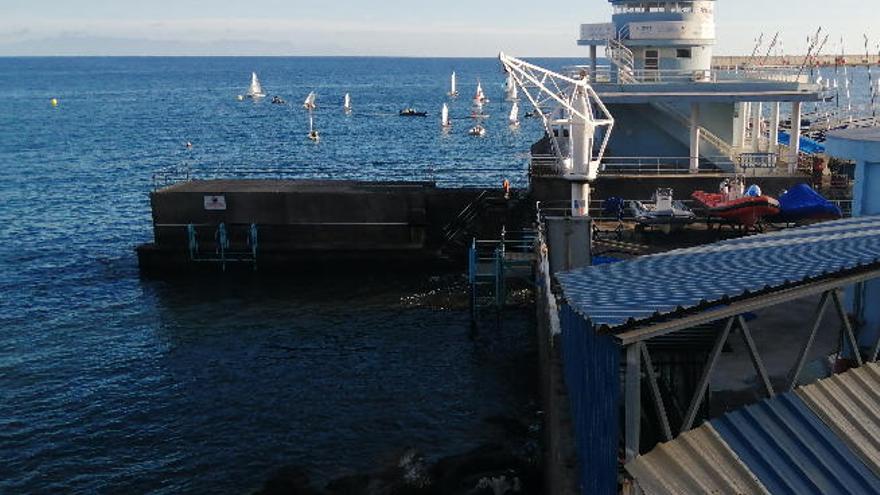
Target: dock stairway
<point>472,219</point>
<point>492,264</point>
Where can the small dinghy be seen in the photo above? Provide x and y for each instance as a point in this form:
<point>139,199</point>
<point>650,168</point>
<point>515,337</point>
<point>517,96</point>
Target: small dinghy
<point>453,90</point>
<point>277,100</point>
<point>313,133</point>
<point>346,105</point>
<point>412,112</point>
<point>511,93</point>
<point>480,96</point>
<point>513,118</point>
<point>664,213</point>
<point>444,117</point>
<point>309,104</point>
<point>802,203</point>
<point>477,131</point>
<point>732,203</point>
<point>255,91</point>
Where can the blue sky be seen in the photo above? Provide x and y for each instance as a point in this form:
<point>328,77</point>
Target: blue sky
<point>385,27</point>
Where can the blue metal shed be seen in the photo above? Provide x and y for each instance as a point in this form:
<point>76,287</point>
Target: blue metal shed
<point>792,451</point>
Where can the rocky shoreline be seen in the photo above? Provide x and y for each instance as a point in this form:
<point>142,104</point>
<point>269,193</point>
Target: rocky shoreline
<point>511,467</point>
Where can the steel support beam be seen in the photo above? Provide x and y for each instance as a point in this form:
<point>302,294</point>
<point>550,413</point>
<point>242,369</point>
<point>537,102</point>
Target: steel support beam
<point>847,327</point>
<point>756,358</point>
<point>695,138</point>
<point>753,303</point>
<point>703,384</point>
<point>794,145</point>
<point>633,398</point>
<point>805,351</point>
<point>655,392</point>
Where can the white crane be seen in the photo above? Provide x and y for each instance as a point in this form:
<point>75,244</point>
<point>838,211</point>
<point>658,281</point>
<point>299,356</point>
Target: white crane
<point>573,122</point>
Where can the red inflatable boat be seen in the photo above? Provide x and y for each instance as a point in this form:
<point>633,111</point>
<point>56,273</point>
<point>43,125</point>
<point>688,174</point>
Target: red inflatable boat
<point>745,210</point>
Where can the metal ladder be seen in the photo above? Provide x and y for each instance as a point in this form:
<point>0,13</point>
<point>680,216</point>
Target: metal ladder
<point>222,253</point>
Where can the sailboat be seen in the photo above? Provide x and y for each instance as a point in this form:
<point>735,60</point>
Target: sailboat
<point>477,110</point>
<point>480,96</point>
<point>309,104</point>
<point>255,90</point>
<point>513,118</point>
<point>453,91</point>
<point>444,117</point>
<point>313,133</point>
<point>512,93</point>
<point>347,105</point>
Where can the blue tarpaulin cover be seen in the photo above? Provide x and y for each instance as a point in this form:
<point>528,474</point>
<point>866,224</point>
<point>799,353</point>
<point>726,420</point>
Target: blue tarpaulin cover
<point>801,202</point>
<point>808,146</point>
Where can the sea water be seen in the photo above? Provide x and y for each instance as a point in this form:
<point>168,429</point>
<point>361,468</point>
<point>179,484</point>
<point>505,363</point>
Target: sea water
<point>111,383</point>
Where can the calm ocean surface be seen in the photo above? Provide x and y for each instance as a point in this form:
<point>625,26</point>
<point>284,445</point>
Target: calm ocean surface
<point>113,384</point>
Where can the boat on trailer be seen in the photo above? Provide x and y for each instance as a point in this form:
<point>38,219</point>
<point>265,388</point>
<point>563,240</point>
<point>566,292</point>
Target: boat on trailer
<point>735,204</point>
<point>664,212</point>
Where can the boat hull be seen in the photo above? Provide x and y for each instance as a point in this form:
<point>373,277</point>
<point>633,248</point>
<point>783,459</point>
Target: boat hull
<point>746,211</point>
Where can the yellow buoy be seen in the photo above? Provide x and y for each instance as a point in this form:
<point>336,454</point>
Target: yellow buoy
<point>54,102</point>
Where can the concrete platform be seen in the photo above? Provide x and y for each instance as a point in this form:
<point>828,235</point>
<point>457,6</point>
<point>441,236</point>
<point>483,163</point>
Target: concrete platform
<point>298,222</point>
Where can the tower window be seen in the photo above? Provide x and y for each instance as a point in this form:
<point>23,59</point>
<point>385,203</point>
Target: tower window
<point>683,53</point>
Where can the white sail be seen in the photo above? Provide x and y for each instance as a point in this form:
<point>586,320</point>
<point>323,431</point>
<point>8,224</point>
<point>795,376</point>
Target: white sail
<point>510,88</point>
<point>479,95</point>
<point>309,104</point>
<point>255,90</point>
<point>513,118</point>
<point>347,104</point>
<point>444,116</point>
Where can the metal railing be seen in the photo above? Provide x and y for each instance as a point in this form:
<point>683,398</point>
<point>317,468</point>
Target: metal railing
<point>447,176</point>
<point>547,165</point>
<point>705,134</point>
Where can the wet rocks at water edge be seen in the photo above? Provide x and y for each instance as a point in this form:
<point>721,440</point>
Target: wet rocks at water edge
<point>486,470</point>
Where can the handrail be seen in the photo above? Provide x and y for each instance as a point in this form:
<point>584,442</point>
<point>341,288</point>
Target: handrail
<point>705,134</point>
<point>457,176</point>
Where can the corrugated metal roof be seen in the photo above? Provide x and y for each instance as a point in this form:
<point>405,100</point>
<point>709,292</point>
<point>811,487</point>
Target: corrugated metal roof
<point>792,451</point>
<point>654,286</point>
<point>696,462</point>
<point>849,403</point>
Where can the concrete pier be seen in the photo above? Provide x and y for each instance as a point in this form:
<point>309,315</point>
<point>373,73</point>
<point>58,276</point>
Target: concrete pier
<point>280,224</point>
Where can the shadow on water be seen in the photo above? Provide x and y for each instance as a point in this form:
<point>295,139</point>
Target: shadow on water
<point>333,374</point>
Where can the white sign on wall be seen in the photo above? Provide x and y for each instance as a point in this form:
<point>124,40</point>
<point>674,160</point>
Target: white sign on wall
<point>215,203</point>
<point>672,30</point>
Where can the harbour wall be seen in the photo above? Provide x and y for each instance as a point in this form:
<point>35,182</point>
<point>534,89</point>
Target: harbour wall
<point>298,224</point>
<point>729,61</point>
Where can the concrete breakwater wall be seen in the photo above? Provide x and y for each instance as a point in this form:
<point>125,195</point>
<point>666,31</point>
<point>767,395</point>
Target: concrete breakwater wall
<point>282,224</point>
<point>732,61</point>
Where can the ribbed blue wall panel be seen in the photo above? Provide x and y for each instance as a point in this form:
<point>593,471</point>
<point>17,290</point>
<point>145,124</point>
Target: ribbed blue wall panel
<point>592,367</point>
<point>792,451</point>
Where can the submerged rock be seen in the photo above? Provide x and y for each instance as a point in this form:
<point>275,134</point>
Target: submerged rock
<point>289,480</point>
